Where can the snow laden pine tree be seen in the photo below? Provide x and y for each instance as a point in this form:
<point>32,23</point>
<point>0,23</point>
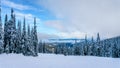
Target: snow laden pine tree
<point>32,47</point>
<point>86,46</point>
<point>12,32</point>
<point>90,47</point>
<point>1,34</point>
<point>19,34</point>
<point>29,42</point>
<point>6,36</point>
<point>24,39</point>
<point>15,40</point>
<point>35,39</point>
<point>98,45</point>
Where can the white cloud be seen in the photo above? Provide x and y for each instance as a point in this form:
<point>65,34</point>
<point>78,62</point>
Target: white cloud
<point>29,17</point>
<point>86,16</point>
<point>44,36</point>
<point>56,24</point>
<point>75,34</point>
<point>15,5</point>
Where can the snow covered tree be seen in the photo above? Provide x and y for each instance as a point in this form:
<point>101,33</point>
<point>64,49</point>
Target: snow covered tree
<point>86,46</point>
<point>98,46</point>
<point>108,49</point>
<point>56,49</point>
<point>40,47</point>
<point>1,34</point>
<point>77,50</point>
<point>114,50</point>
<point>24,38</point>
<point>98,37</point>
<point>29,45</point>
<point>19,34</point>
<point>6,38</point>
<point>35,39</point>
<point>44,47</point>
<point>117,43</point>
<point>15,40</point>
<point>65,49</point>
<point>12,32</point>
<point>91,49</point>
<point>28,32</point>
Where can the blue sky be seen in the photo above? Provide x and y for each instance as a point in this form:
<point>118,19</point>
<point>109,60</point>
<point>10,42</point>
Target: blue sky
<point>30,9</point>
<point>68,18</point>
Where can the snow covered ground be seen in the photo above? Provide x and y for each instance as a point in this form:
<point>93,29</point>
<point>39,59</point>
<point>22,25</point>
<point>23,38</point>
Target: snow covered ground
<point>56,61</point>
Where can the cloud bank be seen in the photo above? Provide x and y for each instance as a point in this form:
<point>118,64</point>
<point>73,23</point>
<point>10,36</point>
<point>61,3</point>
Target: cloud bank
<point>85,17</point>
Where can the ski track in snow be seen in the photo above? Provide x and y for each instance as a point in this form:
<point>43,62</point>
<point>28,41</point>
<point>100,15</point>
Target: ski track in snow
<point>57,61</point>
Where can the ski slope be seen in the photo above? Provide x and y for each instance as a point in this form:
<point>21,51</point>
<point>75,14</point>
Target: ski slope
<point>56,61</point>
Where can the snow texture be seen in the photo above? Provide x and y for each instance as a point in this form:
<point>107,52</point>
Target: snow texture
<point>56,61</point>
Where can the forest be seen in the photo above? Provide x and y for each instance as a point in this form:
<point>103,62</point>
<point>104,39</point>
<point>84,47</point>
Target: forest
<point>23,40</point>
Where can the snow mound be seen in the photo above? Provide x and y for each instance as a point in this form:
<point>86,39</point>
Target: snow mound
<point>56,61</point>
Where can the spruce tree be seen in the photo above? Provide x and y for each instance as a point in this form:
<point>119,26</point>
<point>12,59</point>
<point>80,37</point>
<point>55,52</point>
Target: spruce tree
<point>23,44</point>
<point>86,46</point>
<point>6,38</point>
<point>12,32</point>
<point>98,37</point>
<point>35,39</point>
<point>29,44</point>
<point>40,47</point>
<point>91,47</point>
<point>32,44</point>
<point>18,46</point>
<point>1,34</point>
<point>98,45</point>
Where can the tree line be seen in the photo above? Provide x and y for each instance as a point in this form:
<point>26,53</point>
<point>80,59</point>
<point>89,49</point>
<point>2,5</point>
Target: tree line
<point>102,48</point>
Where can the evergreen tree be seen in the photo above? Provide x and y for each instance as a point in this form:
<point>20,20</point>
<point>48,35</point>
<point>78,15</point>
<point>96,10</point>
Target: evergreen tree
<point>32,42</point>
<point>28,44</point>
<point>98,47</point>
<point>40,47</point>
<point>91,47</point>
<point>23,44</point>
<point>114,50</point>
<point>77,50</point>
<point>18,46</point>
<point>86,46</point>
<point>35,39</point>
<point>12,32</point>
<point>6,38</point>
<point>64,49</point>
<point>44,47</point>
<point>1,34</point>
<point>17,40</point>
<point>98,37</point>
